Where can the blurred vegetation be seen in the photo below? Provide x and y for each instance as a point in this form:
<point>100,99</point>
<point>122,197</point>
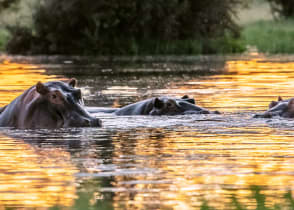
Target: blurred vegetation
<point>4,34</point>
<point>284,8</point>
<point>255,11</point>
<point>132,27</point>
<point>144,27</point>
<point>4,4</point>
<point>274,36</point>
<point>15,14</point>
<point>4,37</point>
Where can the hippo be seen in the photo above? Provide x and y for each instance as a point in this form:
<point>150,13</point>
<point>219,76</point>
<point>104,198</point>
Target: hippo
<point>157,106</point>
<point>53,104</point>
<point>283,108</point>
<point>2,109</point>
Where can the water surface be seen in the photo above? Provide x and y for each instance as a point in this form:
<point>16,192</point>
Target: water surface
<point>144,162</point>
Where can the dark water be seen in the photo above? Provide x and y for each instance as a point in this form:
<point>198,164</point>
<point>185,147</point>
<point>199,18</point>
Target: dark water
<point>141,162</point>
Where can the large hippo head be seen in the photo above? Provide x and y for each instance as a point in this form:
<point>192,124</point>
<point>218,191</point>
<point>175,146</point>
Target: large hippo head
<point>283,108</point>
<point>64,103</point>
<point>172,106</point>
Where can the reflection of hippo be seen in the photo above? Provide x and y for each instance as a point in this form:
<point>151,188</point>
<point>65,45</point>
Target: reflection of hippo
<point>49,105</point>
<point>157,106</point>
<point>283,108</point>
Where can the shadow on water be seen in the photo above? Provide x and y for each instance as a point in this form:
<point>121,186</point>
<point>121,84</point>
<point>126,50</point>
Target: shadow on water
<point>227,161</point>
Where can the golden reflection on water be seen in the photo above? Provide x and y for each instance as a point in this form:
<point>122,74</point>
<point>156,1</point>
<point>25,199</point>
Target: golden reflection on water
<point>248,85</point>
<point>193,167</point>
<point>190,166</point>
<point>31,177</point>
<point>17,77</point>
<point>34,177</point>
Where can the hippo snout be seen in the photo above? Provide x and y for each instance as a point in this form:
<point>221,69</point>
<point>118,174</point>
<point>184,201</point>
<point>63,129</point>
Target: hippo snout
<point>77,121</point>
<point>94,122</point>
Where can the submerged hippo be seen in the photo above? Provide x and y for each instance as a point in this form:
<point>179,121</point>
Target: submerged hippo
<point>283,108</point>
<point>49,105</point>
<point>157,106</point>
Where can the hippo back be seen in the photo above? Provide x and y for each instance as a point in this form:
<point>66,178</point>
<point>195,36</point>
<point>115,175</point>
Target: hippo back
<point>12,113</point>
<point>140,108</point>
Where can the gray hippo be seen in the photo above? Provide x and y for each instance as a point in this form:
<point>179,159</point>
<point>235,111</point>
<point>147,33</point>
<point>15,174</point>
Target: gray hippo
<point>283,108</point>
<point>157,106</point>
<point>49,105</point>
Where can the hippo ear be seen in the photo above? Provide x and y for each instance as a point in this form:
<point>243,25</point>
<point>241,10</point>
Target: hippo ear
<point>158,103</point>
<point>72,82</point>
<point>280,98</point>
<point>272,104</point>
<point>41,88</point>
<point>190,100</point>
<point>185,97</point>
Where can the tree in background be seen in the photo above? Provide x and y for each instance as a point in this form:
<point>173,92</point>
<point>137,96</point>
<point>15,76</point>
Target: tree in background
<point>4,4</point>
<point>284,8</point>
<point>128,26</point>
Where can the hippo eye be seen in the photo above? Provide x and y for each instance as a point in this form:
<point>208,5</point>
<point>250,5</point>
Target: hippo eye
<point>169,105</point>
<point>54,96</point>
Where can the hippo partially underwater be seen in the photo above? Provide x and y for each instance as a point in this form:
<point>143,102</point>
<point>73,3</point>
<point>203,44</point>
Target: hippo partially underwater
<point>283,108</point>
<point>50,105</point>
<point>157,106</point>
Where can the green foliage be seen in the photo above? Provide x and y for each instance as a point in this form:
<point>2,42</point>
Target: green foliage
<point>4,37</point>
<point>4,4</point>
<point>134,27</point>
<point>270,36</point>
<point>284,8</point>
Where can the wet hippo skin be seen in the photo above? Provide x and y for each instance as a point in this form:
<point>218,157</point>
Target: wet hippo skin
<point>50,105</point>
<point>157,106</point>
<point>283,108</point>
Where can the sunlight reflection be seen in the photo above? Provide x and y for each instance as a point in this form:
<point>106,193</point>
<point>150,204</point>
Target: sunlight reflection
<point>16,77</point>
<point>34,177</point>
<point>249,85</point>
<point>175,167</point>
<point>201,167</point>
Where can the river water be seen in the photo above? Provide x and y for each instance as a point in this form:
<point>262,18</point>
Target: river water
<point>160,162</point>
